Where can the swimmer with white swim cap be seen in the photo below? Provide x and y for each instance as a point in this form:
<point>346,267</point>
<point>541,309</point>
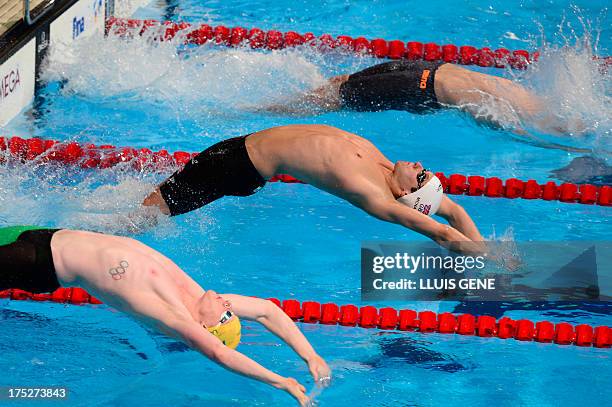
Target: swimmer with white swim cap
<point>427,197</point>
<point>132,277</point>
<point>330,159</point>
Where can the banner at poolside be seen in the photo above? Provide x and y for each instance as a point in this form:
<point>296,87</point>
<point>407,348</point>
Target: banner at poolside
<point>508,272</point>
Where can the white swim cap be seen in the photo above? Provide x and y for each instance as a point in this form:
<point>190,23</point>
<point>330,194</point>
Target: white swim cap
<point>427,199</point>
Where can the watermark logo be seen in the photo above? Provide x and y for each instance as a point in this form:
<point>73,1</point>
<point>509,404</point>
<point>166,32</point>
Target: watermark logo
<point>415,263</point>
<point>504,271</point>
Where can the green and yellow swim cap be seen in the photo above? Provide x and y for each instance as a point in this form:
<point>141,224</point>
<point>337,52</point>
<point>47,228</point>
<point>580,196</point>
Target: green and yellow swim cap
<point>229,332</point>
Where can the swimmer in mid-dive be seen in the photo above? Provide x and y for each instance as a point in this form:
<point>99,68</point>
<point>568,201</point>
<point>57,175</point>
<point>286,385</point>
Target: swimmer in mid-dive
<point>422,87</point>
<point>330,159</point>
<point>148,286</point>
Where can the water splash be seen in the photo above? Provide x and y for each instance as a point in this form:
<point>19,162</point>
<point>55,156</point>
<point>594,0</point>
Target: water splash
<point>503,251</point>
<point>209,84</point>
<point>125,8</point>
<point>506,236</point>
<point>574,85</point>
<point>183,80</point>
<point>60,196</point>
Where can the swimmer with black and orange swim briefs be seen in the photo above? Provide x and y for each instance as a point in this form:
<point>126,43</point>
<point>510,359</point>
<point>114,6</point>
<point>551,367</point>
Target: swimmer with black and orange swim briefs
<point>330,159</point>
<point>423,87</point>
<point>133,278</point>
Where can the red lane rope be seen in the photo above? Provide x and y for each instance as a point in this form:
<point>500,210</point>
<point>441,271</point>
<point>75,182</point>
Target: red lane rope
<point>380,48</point>
<point>106,156</point>
<point>391,319</point>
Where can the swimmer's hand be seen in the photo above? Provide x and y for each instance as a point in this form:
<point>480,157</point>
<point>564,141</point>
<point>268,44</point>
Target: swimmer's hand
<point>293,387</point>
<point>321,373</point>
<point>508,261</point>
<point>512,264</point>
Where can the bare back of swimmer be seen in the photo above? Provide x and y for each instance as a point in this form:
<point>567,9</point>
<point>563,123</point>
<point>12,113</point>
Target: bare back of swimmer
<point>152,289</point>
<point>328,158</point>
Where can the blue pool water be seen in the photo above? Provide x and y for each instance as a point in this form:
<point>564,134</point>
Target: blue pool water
<point>292,241</point>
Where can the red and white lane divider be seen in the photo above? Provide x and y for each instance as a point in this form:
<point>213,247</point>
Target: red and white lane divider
<point>106,156</point>
<point>273,40</point>
<point>391,319</point>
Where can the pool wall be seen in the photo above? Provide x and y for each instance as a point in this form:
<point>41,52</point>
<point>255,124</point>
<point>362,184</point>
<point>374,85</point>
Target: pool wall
<point>24,46</point>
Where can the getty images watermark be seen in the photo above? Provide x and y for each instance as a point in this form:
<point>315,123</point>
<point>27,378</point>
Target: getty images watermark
<point>412,264</point>
<point>507,271</point>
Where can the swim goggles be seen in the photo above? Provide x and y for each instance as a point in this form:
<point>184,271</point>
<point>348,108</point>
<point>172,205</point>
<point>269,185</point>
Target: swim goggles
<point>421,177</point>
<point>225,316</point>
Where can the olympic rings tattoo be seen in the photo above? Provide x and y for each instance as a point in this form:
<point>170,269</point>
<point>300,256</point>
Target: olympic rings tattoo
<point>117,272</point>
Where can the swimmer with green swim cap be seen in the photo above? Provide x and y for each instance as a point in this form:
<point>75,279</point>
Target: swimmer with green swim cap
<point>133,278</point>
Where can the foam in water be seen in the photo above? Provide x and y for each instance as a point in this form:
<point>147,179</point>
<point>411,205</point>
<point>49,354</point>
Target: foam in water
<point>209,80</point>
<point>574,86</point>
<point>570,109</point>
<point>125,8</point>
<point>503,248</point>
<point>104,201</point>
<point>189,81</point>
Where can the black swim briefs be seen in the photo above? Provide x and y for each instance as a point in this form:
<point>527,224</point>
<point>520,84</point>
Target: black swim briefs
<point>222,169</point>
<point>397,85</point>
<point>27,262</point>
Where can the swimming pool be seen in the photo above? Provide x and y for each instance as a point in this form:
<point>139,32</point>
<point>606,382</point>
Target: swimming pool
<point>291,241</point>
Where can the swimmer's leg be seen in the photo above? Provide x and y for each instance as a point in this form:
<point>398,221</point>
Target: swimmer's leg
<point>320,100</point>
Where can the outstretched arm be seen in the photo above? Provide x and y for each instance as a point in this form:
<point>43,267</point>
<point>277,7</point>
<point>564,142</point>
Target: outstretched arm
<point>445,235</point>
<point>458,218</point>
<point>320,100</point>
<point>461,237</point>
<point>276,321</point>
<point>497,101</point>
<point>203,341</point>
<point>178,323</point>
